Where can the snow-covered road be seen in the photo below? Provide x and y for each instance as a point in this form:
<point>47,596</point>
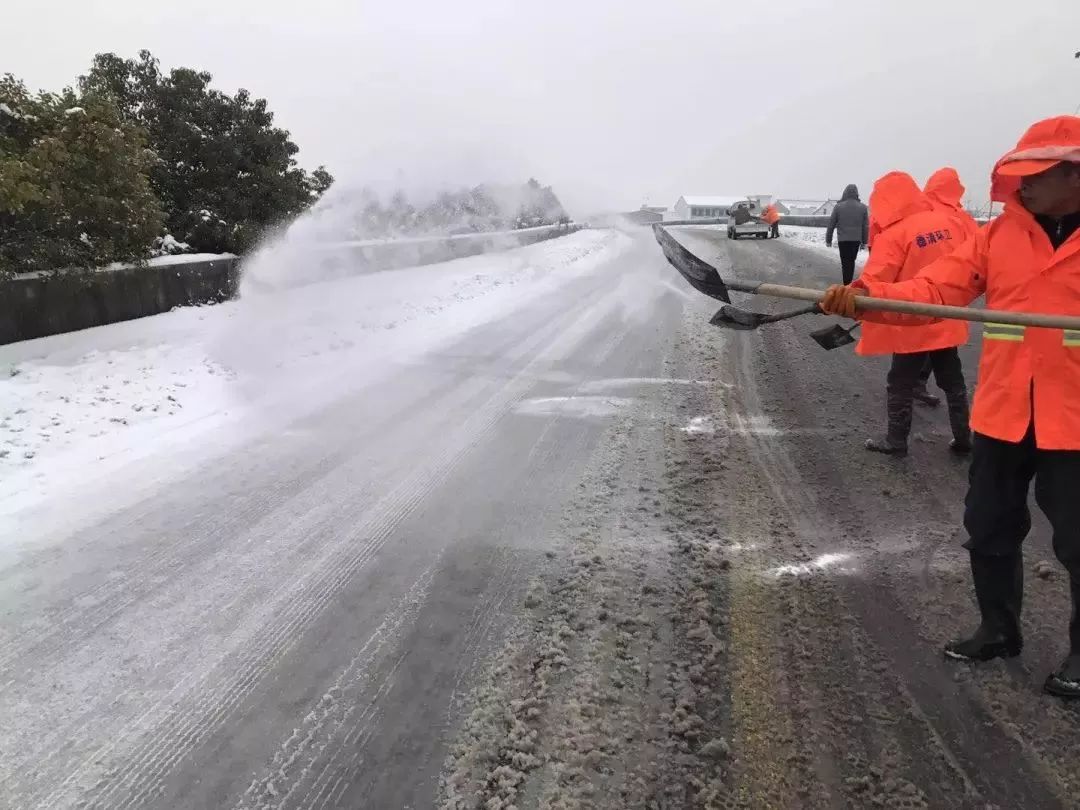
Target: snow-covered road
<point>251,553</point>
<point>105,397</point>
<point>515,531</point>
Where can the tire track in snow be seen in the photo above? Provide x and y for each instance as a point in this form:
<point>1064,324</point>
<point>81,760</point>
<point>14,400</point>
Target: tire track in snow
<point>143,773</point>
<point>300,750</point>
<point>184,727</point>
<point>320,501</point>
<point>58,630</point>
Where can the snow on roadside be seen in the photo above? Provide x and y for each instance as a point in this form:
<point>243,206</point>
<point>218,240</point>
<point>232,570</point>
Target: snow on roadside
<point>69,403</point>
<point>48,405</point>
<point>814,239</point>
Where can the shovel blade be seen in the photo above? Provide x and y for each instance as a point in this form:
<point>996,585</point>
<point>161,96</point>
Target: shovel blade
<point>832,337</point>
<point>702,277</point>
<point>732,317</point>
<point>729,317</point>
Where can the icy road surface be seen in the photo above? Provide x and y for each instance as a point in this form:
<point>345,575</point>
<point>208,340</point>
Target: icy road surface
<point>520,530</point>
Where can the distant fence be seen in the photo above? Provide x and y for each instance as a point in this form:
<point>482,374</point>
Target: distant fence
<point>38,305</point>
<point>714,221</point>
<point>805,222</point>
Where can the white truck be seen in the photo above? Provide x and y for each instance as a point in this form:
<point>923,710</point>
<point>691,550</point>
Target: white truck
<point>744,217</point>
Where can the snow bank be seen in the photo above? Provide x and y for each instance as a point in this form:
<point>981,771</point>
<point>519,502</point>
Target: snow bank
<point>73,405</point>
<point>166,261</point>
<point>53,403</point>
<point>187,258</point>
<point>814,239</point>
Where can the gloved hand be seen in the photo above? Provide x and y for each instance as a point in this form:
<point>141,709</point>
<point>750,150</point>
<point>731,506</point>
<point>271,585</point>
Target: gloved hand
<point>840,300</point>
<point>828,243</point>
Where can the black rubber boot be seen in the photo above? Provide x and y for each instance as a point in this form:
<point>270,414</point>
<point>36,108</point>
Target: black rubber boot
<point>924,397</point>
<point>959,421</point>
<point>999,590</point>
<point>962,447</point>
<point>899,404</point>
<point>886,447</point>
<point>1065,682</point>
<point>986,644</point>
<point>921,394</point>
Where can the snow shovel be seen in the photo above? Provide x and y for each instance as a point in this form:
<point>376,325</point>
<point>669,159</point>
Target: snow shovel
<point>706,279</point>
<point>733,317</point>
<point>829,338</point>
<point>833,337</point>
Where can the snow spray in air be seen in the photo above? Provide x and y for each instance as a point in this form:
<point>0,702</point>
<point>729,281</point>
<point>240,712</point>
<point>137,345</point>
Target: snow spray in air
<point>300,312</point>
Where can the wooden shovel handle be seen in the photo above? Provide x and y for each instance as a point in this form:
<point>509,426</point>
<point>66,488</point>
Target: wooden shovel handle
<point>914,308</point>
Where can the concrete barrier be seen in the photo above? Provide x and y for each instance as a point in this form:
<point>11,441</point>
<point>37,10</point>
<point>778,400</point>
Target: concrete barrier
<point>343,259</point>
<point>46,304</point>
<point>38,305</point>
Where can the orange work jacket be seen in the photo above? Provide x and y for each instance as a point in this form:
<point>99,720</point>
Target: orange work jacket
<point>912,236</point>
<point>945,192</point>
<point>1025,374</point>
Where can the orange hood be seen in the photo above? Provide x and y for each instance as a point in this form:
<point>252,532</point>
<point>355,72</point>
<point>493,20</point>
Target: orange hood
<point>944,188</point>
<point>1045,143</point>
<point>895,196</point>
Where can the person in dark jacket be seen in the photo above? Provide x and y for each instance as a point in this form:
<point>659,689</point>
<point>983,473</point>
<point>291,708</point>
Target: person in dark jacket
<point>850,222</point>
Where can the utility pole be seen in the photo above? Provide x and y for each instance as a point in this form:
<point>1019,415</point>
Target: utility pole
<point>1077,110</point>
<point>990,214</point>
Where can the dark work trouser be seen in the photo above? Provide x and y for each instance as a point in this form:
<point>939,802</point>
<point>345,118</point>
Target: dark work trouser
<point>998,519</point>
<point>774,230</point>
<point>906,375</point>
<point>849,251</point>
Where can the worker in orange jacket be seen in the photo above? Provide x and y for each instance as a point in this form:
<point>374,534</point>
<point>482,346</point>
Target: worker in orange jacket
<point>872,230</point>
<point>912,235</point>
<point>944,191</point>
<point>922,393</point>
<point>1026,415</point>
<point>771,217</point>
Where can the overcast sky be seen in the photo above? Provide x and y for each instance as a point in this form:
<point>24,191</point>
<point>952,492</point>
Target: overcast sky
<point>614,102</point>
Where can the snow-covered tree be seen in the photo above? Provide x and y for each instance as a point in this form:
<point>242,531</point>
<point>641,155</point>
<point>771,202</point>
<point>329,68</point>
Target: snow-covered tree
<point>224,172</point>
<point>73,184</point>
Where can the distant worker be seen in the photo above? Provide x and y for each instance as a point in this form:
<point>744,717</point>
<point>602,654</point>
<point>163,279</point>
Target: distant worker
<point>771,218</point>
<point>850,222</point>
<point>1027,406</point>
<point>912,236</point>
